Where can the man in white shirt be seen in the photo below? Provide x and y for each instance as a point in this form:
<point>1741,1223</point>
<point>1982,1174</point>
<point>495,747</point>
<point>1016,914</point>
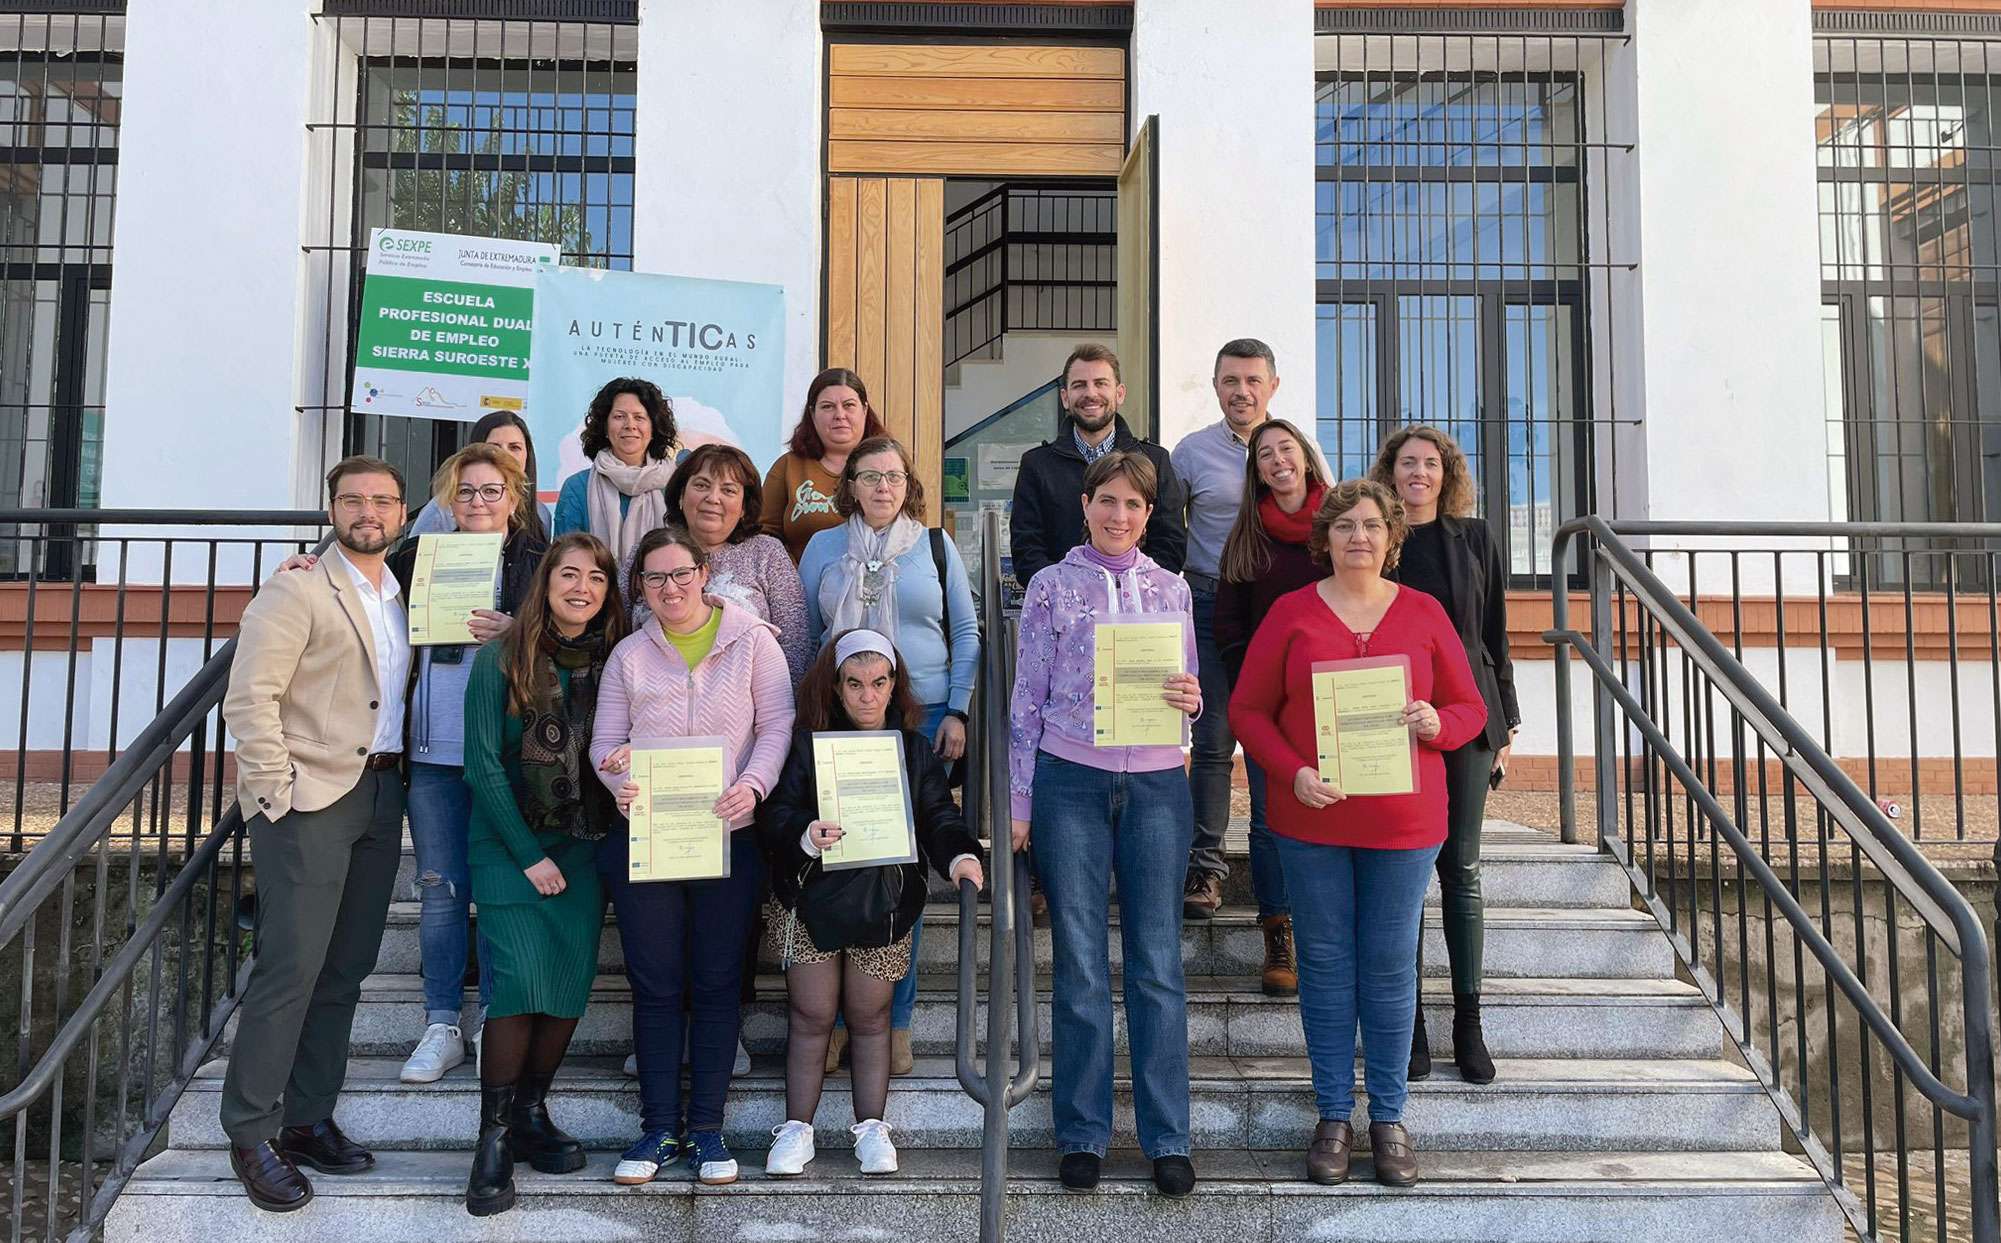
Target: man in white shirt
<point>315,702</point>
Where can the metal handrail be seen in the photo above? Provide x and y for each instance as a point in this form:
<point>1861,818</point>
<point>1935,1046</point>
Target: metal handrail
<point>1011,952</point>
<point>1945,911</point>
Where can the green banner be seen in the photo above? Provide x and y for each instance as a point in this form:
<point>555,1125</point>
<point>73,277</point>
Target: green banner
<point>445,327</point>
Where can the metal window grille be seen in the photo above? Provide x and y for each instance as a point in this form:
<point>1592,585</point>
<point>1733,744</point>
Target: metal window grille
<point>1466,268</point>
<point>61,82</point>
<point>1910,286</point>
<point>1029,256</point>
<point>489,128</point>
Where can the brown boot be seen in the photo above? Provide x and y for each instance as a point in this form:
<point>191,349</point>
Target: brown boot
<point>1281,967</point>
<point>837,1044</point>
<point>1396,1160</point>
<point>900,1060</point>
<point>1201,895</point>
<point>1327,1157</point>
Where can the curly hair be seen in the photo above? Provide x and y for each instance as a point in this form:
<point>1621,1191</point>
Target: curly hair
<point>1343,497</point>
<point>806,442</point>
<point>847,505</point>
<point>1455,497</point>
<point>596,435</point>
<point>820,706</point>
<point>719,459</point>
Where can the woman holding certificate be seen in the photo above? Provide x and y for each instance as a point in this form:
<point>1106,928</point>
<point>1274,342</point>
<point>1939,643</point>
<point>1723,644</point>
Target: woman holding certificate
<point>882,568</point>
<point>692,726</point>
<point>1352,691</point>
<point>1451,555</point>
<point>1105,684</point>
<point>537,819</point>
<point>863,795</point>
<point>631,444</point>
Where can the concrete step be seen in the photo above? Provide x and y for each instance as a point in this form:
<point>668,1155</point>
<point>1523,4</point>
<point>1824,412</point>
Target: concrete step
<point>1603,942</point>
<point>1612,1018</point>
<point>1559,1105</point>
<point>1246,1197</point>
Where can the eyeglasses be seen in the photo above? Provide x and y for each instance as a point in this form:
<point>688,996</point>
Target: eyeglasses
<point>1374,528</point>
<point>491,493</point>
<point>870,478</point>
<point>355,502</point>
<point>654,580</point>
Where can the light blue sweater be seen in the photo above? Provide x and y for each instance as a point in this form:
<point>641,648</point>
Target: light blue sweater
<point>920,612</point>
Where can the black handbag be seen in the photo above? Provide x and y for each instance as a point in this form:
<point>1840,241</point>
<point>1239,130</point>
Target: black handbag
<point>854,908</point>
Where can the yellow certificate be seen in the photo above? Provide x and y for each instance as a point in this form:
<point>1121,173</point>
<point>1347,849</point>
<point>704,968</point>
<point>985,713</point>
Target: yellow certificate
<point>1365,748</point>
<point>861,788</point>
<point>454,574</point>
<point>675,832</point>
<point>1134,659</point>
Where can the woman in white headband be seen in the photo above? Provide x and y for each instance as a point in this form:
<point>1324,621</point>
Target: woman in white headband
<point>856,683</point>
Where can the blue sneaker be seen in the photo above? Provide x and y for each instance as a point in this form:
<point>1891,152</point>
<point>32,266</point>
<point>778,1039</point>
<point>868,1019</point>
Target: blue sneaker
<point>654,1151</point>
<point>710,1158</point>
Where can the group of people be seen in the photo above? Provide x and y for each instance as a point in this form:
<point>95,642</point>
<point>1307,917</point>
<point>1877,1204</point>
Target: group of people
<point>675,593</point>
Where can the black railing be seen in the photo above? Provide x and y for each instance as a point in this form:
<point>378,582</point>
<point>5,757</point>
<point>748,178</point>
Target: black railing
<point>1810,921</point>
<point>137,923</point>
<point>997,1088</point>
<point>1029,257</point>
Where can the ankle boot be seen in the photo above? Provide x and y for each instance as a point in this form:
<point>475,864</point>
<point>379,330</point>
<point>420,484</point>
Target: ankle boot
<point>490,1186</point>
<point>1469,1045</point>
<point>1281,973</point>
<point>536,1139</point>
<point>1420,1048</point>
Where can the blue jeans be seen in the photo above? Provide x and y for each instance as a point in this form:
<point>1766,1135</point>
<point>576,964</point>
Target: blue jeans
<point>440,809</point>
<point>1355,919</point>
<point>1267,873</point>
<point>1212,745</point>
<point>684,942</point>
<point>1086,826</point>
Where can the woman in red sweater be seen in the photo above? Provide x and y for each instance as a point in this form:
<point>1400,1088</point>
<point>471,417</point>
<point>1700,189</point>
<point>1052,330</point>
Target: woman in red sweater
<point>1356,868</point>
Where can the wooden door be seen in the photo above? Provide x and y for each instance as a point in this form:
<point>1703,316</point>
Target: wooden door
<point>1138,276</point>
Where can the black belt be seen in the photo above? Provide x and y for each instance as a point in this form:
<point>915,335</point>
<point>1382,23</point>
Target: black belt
<point>382,760</point>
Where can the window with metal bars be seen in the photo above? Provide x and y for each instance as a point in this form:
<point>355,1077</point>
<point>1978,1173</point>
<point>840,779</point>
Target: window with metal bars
<point>1911,303</point>
<point>515,129</point>
<point>1455,273</point>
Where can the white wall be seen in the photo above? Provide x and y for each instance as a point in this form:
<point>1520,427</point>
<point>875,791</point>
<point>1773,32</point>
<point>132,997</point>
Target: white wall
<point>201,378</point>
<point>727,152</point>
<point>1028,361</point>
<point>1233,87</point>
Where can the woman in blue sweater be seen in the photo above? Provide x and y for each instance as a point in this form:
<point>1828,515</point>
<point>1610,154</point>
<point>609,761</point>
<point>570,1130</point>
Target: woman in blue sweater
<point>882,569</point>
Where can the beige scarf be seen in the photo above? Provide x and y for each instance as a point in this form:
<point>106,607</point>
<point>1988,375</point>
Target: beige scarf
<point>645,484</point>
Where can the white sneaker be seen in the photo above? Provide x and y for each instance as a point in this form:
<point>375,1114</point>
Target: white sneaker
<point>741,1066</point>
<point>442,1048</point>
<point>632,1066</point>
<point>791,1149</point>
<point>872,1147</point>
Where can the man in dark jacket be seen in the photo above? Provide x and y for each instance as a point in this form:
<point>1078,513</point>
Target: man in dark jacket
<point>1048,516</point>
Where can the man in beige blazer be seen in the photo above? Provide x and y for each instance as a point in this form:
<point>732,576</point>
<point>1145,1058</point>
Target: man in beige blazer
<point>315,702</point>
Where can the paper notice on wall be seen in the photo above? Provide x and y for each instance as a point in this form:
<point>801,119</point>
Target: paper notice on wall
<point>999,464</point>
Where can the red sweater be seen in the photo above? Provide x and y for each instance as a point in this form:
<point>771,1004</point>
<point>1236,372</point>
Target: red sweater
<point>1271,712</point>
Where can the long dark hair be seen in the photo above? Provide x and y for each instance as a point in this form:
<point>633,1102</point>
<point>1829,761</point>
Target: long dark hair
<point>1247,553</point>
<point>806,441</point>
<point>531,517</point>
<point>596,437</point>
<point>820,705</point>
<point>524,658</point>
<point>716,458</point>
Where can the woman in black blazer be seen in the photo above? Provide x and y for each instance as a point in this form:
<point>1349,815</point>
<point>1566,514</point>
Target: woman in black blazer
<point>1451,555</point>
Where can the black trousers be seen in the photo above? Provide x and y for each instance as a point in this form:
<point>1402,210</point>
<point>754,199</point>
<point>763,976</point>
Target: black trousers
<point>1463,909</point>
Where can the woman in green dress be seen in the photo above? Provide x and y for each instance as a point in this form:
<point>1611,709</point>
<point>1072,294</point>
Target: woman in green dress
<point>538,814</point>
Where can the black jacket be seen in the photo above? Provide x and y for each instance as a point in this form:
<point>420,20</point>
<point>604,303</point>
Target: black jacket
<point>941,831</point>
<point>1048,516</point>
<point>1240,607</point>
<point>1479,596</point>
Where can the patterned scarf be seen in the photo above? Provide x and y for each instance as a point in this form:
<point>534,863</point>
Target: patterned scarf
<point>555,788</point>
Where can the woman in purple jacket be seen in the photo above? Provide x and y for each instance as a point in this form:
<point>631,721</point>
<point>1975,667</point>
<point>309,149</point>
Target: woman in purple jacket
<point>1094,812</point>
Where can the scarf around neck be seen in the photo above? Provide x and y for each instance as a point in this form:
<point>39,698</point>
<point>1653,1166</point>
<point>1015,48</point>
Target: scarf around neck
<point>1291,528</point>
<point>645,484</point>
<point>555,789</point>
<point>860,588</point>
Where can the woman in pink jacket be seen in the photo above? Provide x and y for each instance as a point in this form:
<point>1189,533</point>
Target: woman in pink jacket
<point>700,667</point>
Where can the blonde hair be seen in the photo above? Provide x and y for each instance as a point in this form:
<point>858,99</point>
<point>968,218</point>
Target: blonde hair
<point>1343,497</point>
<point>1455,498</point>
<point>445,484</point>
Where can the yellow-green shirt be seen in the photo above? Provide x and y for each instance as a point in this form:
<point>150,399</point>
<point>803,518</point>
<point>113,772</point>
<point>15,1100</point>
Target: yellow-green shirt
<point>696,644</point>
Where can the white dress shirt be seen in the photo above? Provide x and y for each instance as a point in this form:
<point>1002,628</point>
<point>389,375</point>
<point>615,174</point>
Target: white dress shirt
<point>392,651</point>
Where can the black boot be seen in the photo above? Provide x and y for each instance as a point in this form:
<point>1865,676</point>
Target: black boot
<point>537,1140</point>
<point>1469,1046</point>
<point>490,1186</point>
<point>1420,1047</point>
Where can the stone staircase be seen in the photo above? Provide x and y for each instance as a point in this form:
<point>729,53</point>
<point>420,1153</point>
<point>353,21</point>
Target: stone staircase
<point>1615,1115</point>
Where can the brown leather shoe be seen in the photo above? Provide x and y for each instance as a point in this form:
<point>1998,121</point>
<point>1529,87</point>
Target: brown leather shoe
<point>1281,967</point>
<point>1201,897</point>
<point>273,1183</point>
<point>1327,1156</point>
<point>900,1060</point>
<point>323,1147</point>
<point>1396,1160</point>
<point>837,1044</point>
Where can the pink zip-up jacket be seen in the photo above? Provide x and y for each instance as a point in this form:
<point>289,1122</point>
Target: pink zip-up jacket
<point>741,691</point>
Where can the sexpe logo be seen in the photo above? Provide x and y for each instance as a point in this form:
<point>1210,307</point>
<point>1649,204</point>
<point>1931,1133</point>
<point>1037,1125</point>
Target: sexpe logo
<point>404,245</point>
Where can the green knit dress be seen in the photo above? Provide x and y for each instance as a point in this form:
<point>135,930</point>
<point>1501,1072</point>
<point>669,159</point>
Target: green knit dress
<point>545,950</point>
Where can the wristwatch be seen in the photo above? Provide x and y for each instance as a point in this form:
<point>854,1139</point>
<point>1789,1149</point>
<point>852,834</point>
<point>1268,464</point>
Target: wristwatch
<point>958,716</point>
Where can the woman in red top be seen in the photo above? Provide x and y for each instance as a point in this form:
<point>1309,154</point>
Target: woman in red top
<point>1356,868</point>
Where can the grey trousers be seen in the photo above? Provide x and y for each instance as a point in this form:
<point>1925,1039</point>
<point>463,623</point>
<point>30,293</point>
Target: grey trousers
<point>323,885</point>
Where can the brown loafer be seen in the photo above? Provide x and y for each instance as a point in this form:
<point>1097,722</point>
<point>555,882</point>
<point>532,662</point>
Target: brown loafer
<point>268,1176</point>
<point>1396,1160</point>
<point>1327,1157</point>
